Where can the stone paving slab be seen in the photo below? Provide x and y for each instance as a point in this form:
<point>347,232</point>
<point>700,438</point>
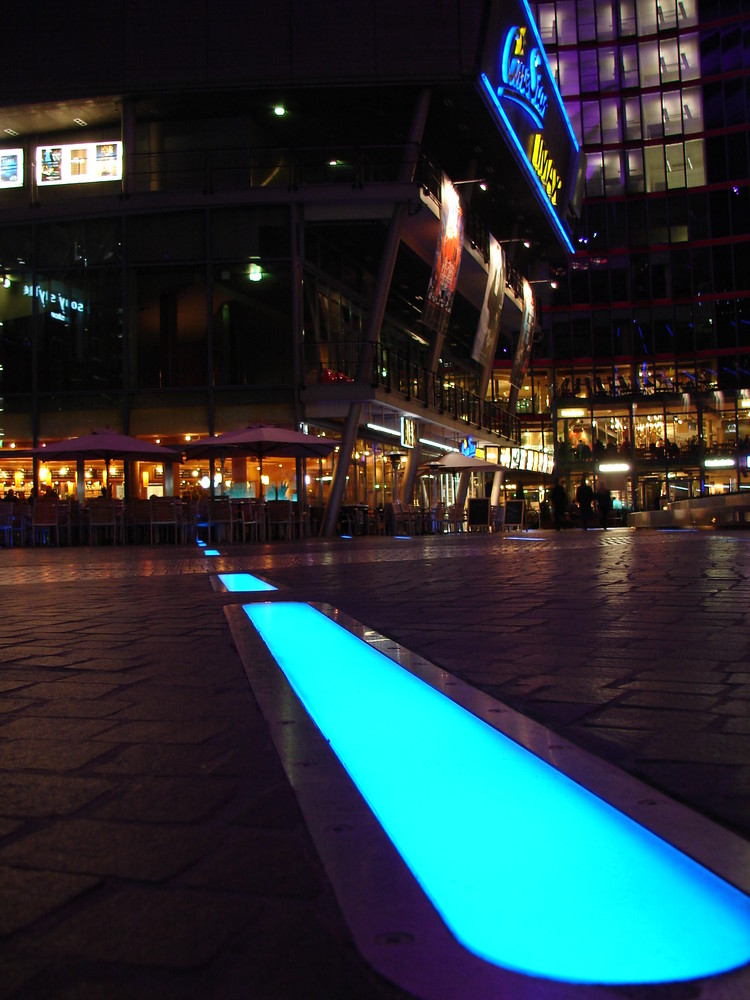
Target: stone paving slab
<point>150,844</point>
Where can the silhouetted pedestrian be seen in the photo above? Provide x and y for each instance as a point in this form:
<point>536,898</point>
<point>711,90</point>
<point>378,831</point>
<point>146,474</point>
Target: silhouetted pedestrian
<point>585,500</point>
<point>604,503</point>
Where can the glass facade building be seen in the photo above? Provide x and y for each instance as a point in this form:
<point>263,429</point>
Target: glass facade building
<point>645,352</point>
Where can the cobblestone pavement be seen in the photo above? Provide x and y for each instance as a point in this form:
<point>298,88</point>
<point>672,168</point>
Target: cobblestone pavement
<point>150,844</point>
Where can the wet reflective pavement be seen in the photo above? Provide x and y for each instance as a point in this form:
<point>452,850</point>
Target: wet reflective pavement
<point>150,842</point>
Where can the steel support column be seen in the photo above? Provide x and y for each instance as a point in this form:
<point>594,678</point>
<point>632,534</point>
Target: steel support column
<point>374,321</point>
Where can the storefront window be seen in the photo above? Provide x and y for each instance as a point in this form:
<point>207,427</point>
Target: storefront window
<point>719,428</point>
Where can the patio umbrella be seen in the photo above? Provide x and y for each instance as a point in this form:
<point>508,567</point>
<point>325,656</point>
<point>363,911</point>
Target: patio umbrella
<point>107,445</point>
<point>262,441</point>
<point>454,461</point>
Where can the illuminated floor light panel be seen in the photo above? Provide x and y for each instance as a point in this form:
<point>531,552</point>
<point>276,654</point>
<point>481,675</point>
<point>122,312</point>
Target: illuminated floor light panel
<point>244,583</point>
<point>531,871</point>
<point>211,552</point>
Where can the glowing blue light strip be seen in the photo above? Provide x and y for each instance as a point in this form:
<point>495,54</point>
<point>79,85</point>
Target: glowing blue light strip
<point>211,552</point>
<point>244,583</point>
<point>528,869</point>
<point>526,163</point>
<point>550,74</point>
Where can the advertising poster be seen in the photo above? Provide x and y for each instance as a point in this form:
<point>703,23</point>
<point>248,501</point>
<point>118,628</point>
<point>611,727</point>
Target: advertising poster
<point>525,340</point>
<point>488,328</point>
<point>11,168</point>
<point>51,165</point>
<point>107,165</point>
<point>442,287</point>
<point>83,163</point>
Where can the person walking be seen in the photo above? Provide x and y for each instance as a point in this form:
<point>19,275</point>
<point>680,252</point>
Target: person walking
<point>585,500</point>
<point>604,503</point>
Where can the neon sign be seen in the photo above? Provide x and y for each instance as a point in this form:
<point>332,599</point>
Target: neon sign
<point>545,168</point>
<point>408,432</point>
<point>518,85</point>
<point>521,70</point>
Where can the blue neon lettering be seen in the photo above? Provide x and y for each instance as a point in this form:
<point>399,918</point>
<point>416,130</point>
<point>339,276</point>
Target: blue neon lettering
<point>521,76</point>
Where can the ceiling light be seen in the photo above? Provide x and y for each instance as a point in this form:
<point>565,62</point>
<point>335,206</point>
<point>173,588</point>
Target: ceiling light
<point>279,110</point>
<point>80,121</point>
<point>11,131</point>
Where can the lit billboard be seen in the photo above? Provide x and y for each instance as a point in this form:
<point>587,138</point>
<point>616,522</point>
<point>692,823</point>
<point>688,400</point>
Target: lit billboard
<point>78,163</point>
<point>519,87</point>
<point>11,168</point>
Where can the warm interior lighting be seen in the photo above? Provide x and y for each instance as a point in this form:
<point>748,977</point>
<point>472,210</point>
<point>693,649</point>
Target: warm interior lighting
<point>614,467</point>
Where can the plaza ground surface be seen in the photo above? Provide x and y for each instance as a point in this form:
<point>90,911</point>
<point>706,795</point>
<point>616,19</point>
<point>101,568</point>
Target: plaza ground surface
<point>150,842</point>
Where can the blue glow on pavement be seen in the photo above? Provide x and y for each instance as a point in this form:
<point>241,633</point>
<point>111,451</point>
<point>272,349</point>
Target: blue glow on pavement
<point>528,869</point>
<point>244,583</point>
<point>211,552</point>
<point>201,543</point>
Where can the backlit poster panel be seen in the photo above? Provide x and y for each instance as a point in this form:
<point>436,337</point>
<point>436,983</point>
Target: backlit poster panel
<point>11,168</point>
<point>488,328</point>
<point>525,340</point>
<point>82,163</point>
<point>444,278</point>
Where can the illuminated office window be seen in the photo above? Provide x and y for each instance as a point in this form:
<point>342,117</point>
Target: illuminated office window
<point>653,121</point>
<point>666,14</point>
<point>609,78</point>
<point>546,23</point>
<point>692,110</point>
<point>675,162</point>
<point>605,22</point>
<point>566,23</point>
<point>648,56</point>
<point>690,67</point>
<point>629,62</point>
<point>654,162</point>
<point>627,17</point>
<point>635,176</point>
<point>586,21</point>
<point>632,107</point>
<point>589,74</point>
<point>611,130</point>
<point>671,102</point>
<point>568,73</point>
<point>668,61</point>
<point>614,177</point>
<point>687,14</point>
<point>592,125</point>
<point>695,165</point>
<point>594,175</point>
<point>574,114</point>
<point>646,10</point>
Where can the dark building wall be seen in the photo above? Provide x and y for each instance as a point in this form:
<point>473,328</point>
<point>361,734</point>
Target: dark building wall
<point>125,46</point>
